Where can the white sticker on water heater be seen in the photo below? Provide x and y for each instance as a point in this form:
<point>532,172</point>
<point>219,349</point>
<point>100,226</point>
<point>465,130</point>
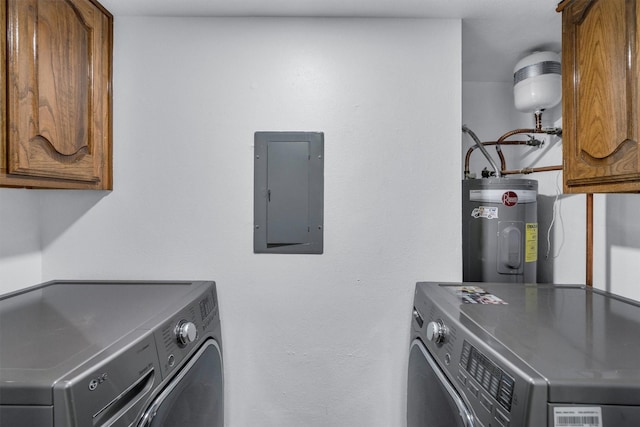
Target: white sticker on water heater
<point>489,212</point>
<point>581,416</point>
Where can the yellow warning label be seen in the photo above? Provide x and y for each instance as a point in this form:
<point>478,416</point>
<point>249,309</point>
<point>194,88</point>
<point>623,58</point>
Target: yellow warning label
<point>531,243</point>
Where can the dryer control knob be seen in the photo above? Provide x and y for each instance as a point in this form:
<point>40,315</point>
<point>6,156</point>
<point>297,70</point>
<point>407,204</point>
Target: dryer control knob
<point>437,331</point>
<point>186,332</point>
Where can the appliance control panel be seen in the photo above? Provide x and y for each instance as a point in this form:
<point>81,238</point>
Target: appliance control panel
<point>437,331</point>
<point>490,377</point>
<point>182,334</point>
<point>489,389</point>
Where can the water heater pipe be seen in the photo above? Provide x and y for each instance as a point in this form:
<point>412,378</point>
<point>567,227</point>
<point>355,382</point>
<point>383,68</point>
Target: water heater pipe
<point>484,150</point>
<point>538,129</point>
<point>503,162</point>
<point>526,171</point>
<point>501,141</point>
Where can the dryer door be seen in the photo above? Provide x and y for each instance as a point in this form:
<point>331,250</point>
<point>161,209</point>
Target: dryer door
<point>431,399</point>
<point>194,397</point>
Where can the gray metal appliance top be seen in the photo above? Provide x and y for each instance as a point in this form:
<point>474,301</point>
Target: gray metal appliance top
<point>571,335</point>
<point>48,330</point>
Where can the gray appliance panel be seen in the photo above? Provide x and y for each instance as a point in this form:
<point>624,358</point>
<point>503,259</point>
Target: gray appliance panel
<point>50,330</point>
<point>112,387</point>
<point>582,342</point>
<point>41,416</point>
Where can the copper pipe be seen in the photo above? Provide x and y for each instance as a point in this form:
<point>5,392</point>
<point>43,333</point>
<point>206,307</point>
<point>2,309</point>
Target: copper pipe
<point>538,116</point>
<point>516,132</point>
<point>503,166</point>
<point>525,171</point>
<point>538,129</point>
<point>589,261</point>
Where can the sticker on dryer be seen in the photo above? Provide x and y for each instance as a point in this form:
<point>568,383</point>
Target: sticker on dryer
<point>581,416</point>
<point>488,212</point>
<point>476,295</point>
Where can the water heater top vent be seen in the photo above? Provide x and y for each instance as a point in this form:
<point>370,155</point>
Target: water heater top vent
<point>537,82</point>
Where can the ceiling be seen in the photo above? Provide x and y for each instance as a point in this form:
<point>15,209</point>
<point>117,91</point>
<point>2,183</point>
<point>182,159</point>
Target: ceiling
<point>495,33</point>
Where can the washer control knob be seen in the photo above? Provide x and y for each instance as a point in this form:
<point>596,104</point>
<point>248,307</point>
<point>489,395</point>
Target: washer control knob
<point>186,332</point>
<point>437,331</point>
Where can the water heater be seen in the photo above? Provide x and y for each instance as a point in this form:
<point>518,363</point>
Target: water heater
<point>500,230</point>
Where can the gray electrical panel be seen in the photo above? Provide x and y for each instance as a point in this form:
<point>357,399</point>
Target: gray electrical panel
<point>288,192</point>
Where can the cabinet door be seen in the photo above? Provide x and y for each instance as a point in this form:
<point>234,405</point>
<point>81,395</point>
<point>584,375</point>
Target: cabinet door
<point>58,93</point>
<point>600,99</point>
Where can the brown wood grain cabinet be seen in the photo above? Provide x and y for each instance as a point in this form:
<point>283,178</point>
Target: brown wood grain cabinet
<point>56,94</point>
<point>600,95</point>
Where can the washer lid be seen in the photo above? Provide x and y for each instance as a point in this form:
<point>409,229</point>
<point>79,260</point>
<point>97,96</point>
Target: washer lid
<point>49,330</point>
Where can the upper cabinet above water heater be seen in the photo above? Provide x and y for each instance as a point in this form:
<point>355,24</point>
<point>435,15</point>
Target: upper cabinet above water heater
<point>600,41</point>
<point>55,95</point>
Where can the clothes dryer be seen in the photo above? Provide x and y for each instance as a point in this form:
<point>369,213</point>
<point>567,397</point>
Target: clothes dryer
<point>122,354</point>
<point>509,355</point>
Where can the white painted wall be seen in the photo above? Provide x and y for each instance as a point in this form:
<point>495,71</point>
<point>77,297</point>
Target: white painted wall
<point>309,340</point>
<point>617,247</point>
<point>20,254</point>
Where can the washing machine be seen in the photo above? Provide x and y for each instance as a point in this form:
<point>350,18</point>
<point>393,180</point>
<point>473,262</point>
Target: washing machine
<point>510,355</point>
<point>111,353</point>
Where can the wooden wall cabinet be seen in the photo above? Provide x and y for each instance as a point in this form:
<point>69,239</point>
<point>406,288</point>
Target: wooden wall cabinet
<point>600,95</point>
<point>56,94</point>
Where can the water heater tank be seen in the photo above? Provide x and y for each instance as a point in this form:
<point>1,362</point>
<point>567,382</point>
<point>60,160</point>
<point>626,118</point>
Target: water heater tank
<point>537,82</point>
<point>499,230</point>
